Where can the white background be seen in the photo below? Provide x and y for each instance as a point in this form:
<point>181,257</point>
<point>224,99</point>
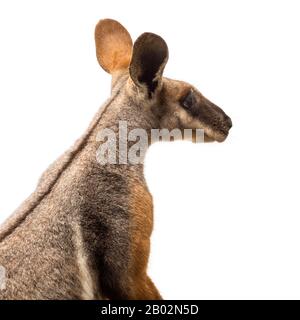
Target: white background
<point>227,219</point>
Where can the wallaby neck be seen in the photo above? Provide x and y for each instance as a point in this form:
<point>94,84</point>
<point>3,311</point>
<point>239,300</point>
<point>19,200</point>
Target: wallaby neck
<point>127,122</point>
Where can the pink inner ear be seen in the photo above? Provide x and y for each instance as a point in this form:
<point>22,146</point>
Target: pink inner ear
<point>113,45</point>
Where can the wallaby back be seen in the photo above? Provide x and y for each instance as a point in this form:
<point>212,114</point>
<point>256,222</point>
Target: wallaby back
<point>49,178</point>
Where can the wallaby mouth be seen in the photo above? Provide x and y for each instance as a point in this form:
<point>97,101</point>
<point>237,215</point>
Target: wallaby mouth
<point>218,132</point>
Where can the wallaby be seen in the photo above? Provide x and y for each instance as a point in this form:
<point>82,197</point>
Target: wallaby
<point>85,231</point>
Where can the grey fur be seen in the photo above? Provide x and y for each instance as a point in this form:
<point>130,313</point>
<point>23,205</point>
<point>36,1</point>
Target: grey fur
<point>77,236</point>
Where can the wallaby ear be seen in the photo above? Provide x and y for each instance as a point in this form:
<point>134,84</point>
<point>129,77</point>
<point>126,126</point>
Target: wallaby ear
<point>113,45</point>
<point>149,57</point>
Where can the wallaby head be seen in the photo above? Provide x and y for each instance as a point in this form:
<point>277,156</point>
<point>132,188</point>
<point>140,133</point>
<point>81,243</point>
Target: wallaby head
<point>175,104</point>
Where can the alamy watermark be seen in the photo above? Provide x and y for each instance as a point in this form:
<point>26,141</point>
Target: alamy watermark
<point>2,277</point>
<point>129,147</point>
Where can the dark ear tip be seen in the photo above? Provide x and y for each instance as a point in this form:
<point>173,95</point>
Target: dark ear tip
<point>154,41</point>
<point>151,37</point>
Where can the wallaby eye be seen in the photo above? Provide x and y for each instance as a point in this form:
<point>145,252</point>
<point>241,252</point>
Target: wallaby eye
<point>188,100</point>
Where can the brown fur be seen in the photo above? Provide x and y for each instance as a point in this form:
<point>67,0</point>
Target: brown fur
<point>85,231</point>
<point>141,209</point>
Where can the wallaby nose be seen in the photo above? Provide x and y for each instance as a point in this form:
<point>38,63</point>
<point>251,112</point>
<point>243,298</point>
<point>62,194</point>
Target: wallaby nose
<point>228,122</point>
